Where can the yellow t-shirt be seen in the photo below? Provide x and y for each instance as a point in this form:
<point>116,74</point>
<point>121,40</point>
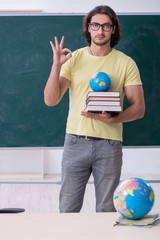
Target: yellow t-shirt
<point>79,70</point>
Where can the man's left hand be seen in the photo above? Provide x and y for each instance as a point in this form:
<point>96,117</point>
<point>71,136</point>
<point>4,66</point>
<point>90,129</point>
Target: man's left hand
<point>104,116</point>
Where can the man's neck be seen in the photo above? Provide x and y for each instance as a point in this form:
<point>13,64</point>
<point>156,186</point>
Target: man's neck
<point>99,50</point>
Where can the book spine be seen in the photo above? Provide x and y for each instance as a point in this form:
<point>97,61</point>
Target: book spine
<point>103,108</point>
<point>110,99</point>
<point>103,103</point>
<point>105,94</point>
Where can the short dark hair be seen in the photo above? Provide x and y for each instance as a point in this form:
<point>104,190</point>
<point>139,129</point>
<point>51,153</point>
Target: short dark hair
<point>111,14</point>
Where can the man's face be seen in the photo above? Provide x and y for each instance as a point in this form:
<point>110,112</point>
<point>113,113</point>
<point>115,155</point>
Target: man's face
<point>101,37</point>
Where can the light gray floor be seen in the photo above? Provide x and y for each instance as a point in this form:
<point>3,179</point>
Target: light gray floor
<point>42,196</point>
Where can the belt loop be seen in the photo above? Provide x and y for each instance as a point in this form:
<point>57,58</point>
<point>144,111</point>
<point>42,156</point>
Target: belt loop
<point>77,136</point>
<point>86,138</point>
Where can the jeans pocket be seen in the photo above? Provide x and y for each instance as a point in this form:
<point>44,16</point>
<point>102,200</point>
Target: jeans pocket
<point>114,142</point>
<point>70,139</point>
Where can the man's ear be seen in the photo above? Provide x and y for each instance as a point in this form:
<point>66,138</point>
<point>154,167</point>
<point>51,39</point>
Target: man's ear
<point>113,29</point>
<point>89,29</point>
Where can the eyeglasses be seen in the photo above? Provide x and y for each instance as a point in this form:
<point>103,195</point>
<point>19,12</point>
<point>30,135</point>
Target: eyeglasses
<point>105,26</point>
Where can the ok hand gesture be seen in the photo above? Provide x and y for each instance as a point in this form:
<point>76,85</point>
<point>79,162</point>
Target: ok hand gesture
<point>59,56</point>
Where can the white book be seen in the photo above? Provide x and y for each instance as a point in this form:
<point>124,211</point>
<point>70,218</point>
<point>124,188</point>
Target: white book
<point>107,103</point>
<point>101,108</point>
<point>103,94</point>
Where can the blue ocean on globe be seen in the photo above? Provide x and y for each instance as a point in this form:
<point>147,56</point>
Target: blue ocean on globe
<point>100,81</point>
<point>133,198</point>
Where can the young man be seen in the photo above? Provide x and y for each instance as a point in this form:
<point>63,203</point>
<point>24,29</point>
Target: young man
<point>93,142</point>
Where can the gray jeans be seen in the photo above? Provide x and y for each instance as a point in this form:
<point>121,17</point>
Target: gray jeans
<point>81,157</point>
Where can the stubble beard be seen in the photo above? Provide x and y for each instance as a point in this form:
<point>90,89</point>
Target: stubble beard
<point>101,43</point>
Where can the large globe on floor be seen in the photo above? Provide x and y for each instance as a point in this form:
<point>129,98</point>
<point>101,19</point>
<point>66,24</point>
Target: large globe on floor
<point>133,198</point>
<point>100,81</point>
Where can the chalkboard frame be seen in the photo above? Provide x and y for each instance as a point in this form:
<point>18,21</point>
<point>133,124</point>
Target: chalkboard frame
<point>39,127</point>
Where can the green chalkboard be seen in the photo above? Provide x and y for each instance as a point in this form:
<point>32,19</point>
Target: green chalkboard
<point>25,62</point>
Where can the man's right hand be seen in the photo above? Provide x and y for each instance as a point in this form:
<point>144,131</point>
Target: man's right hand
<point>57,85</point>
<point>59,56</point>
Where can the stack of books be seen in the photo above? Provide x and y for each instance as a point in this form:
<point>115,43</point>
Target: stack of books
<point>103,101</point>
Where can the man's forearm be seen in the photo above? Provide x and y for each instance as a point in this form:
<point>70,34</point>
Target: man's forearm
<point>51,91</point>
<point>132,113</point>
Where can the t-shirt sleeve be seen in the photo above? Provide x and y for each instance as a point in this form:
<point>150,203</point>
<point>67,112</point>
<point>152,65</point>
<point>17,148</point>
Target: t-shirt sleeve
<point>132,74</point>
<point>66,69</point>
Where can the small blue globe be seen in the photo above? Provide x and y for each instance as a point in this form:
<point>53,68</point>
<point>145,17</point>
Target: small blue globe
<point>133,198</point>
<point>100,82</point>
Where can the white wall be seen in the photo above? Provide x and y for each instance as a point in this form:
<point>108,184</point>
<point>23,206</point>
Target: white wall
<point>83,6</point>
<point>141,160</point>
<point>136,161</point>
<point>34,163</point>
